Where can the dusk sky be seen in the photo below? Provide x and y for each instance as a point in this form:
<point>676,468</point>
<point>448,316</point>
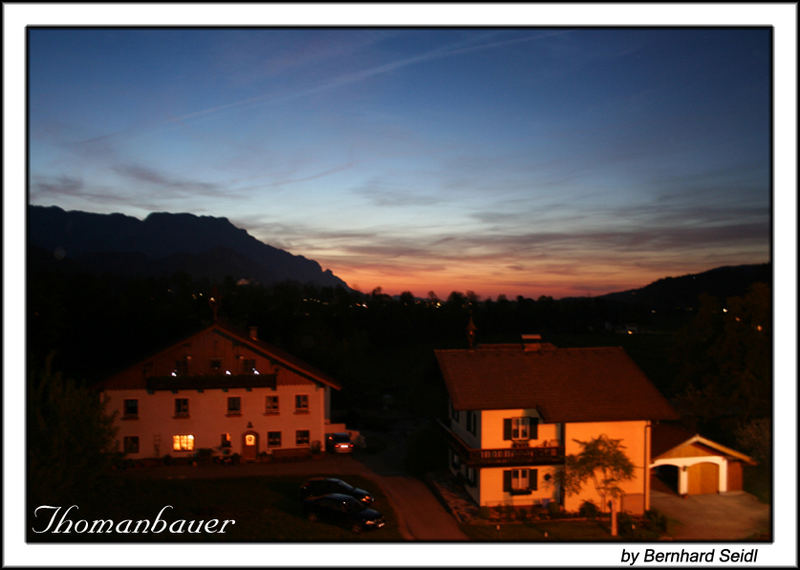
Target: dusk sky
<point>524,161</point>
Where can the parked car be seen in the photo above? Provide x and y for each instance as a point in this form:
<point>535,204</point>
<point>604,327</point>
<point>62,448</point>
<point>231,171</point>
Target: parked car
<point>339,443</point>
<point>324,485</point>
<point>342,510</point>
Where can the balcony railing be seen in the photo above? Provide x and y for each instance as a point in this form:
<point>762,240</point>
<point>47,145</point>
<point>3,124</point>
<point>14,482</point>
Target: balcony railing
<point>539,455</point>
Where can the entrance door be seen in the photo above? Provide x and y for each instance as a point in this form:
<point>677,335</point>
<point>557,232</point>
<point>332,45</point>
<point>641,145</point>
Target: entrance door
<point>249,446</point>
<point>703,478</point>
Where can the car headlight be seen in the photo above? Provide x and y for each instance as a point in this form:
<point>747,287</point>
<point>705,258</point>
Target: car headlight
<point>370,522</point>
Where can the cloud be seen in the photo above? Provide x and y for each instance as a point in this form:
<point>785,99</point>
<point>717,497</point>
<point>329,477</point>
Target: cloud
<point>162,181</point>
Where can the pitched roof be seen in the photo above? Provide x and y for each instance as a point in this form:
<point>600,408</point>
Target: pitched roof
<point>240,337</point>
<point>666,437</point>
<point>564,384</point>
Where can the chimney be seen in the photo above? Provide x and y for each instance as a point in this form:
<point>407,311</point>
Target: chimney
<point>471,328</point>
<point>531,342</point>
<point>253,332</point>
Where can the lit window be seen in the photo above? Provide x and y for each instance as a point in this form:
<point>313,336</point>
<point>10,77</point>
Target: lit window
<point>249,440</point>
<point>234,405</point>
<point>301,403</point>
<point>181,407</point>
<point>183,442</point>
<point>130,443</point>
<point>273,439</point>
<point>272,405</point>
<point>225,440</point>
<point>130,408</point>
<point>302,437</point>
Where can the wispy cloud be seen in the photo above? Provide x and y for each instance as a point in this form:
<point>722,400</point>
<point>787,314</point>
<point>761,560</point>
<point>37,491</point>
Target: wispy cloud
<point>150,176</point>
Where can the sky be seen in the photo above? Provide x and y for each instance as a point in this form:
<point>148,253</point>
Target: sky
<point>519,161</point>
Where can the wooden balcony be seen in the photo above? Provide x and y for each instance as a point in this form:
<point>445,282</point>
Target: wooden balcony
<point>509,456</point>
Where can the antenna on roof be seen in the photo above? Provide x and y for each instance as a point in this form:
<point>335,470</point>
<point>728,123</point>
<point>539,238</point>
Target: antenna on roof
<point>471,329</point>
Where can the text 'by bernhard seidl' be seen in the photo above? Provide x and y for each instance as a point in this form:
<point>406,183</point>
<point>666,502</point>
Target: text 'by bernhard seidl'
<point>683,556</point>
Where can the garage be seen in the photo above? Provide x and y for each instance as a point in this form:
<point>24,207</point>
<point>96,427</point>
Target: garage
<point>702,466</point>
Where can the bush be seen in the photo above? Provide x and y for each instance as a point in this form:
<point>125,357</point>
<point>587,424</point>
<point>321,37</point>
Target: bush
<point>589,510</point>
<point>553,509</point>
<point>625,523</point>
<point>655,520</point>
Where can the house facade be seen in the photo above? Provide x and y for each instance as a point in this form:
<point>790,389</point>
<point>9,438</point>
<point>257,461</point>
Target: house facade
<point>517,411</point>
<point>221,390</point>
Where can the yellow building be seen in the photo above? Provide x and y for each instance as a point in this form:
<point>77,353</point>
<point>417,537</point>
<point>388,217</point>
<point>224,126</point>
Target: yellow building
<point>518,409</point>
<point>221,390</point>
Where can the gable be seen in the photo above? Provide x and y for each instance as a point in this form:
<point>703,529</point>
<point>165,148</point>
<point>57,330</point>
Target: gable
<point>218,357</point>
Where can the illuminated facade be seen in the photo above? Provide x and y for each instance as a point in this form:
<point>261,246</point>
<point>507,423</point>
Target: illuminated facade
<point>517,409</point>
<point>220,390</point>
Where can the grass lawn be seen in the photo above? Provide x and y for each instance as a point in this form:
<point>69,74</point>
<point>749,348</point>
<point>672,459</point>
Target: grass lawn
<point>266,509</point>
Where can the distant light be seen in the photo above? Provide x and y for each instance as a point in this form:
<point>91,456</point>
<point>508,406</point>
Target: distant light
<point>724,310</point>
<point>228,372</point>
<point>255,372</point>
<point>174,373</point>
<point>759,328</point>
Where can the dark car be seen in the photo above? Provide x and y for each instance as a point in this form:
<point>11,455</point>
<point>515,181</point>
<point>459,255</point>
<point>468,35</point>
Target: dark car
<point>339,443</point>
<point>324,485</point>
<point>342,510</point>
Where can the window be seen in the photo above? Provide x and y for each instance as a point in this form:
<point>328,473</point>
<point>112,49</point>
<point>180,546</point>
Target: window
<point>249,366</point>
<point>216,365</point>
<point>225,440</point>
<point>454,460</point>
<point>181,407</point>
<point>273,439</point>
<point>302,437</point>
<point>272,405</point>
<point>130,409</point>
<point>519,481</point>
<point>454,412</point>
<point>130,443</point>
<point>234,406</point>
<point>301,404</point>
<point>472,422</point>
<point>183,442</point>
<point>520,428</point>
<point>181,367</point>
<point>471,476</point>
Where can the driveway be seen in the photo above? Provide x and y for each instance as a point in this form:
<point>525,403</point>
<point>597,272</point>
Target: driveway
<point>726,516</point>
<point>420,515</point>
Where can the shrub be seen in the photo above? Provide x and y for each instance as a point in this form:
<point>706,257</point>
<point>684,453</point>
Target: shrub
<point>655,520</point>
<point>625,523</point>
<point>553,509</point>
<point>589,510</point>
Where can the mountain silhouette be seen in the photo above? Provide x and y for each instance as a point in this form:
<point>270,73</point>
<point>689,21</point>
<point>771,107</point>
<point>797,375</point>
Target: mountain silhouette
<point>164,243</point>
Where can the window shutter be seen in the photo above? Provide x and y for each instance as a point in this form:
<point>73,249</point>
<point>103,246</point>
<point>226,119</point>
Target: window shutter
<point>533,482</point>
<point>507,481</point>
<point>507,428</point>
<point>534,429</point>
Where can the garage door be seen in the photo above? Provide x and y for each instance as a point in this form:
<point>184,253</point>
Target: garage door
<point>703,478</point>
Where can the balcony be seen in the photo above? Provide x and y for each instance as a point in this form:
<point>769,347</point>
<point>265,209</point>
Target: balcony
<point>509,456</point>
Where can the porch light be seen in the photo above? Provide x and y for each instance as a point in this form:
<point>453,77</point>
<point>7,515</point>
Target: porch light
<point>255,372</point>
<point>227,372</point>
<point>174,373</point>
